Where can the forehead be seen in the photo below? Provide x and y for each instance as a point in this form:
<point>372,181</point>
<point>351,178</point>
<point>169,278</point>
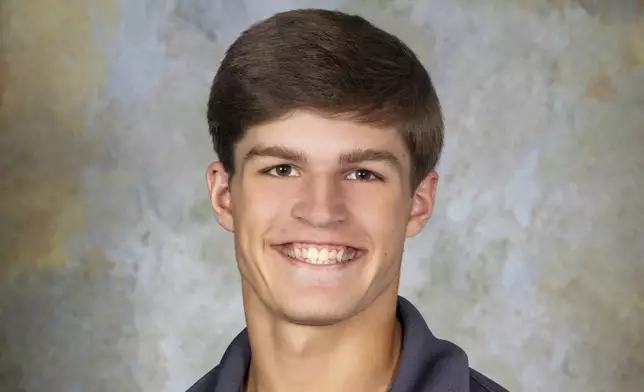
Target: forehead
<point>322,138</point>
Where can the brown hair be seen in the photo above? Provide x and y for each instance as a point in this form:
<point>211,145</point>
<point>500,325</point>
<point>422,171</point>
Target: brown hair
<point>330,62</point>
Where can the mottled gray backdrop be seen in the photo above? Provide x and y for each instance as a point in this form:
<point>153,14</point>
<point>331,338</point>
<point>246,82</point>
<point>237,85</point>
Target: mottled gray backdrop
<point>116,277</point>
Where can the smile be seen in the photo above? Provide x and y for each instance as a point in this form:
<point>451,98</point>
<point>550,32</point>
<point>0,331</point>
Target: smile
<point>319,254</point>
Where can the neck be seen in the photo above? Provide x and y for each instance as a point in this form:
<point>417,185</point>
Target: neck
<point>360,354</point>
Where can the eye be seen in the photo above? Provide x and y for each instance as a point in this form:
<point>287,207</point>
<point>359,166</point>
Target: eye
<point>363,175</point>
<point>282,171</point>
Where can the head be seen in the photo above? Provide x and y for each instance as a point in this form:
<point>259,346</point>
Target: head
<point>328,131</point>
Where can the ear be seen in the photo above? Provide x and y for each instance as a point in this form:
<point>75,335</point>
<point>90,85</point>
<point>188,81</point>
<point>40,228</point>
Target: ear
<point>422,204</point>
<point>219,188</point>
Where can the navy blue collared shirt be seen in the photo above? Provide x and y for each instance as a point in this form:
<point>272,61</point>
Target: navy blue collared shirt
<point>426,364</point>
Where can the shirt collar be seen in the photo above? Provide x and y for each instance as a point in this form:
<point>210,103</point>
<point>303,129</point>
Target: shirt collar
<point>427,364</point>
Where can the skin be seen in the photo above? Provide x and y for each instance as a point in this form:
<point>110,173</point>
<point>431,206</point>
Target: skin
<point>308,178</point>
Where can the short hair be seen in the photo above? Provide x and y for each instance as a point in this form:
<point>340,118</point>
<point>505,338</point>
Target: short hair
<point>332,63</point>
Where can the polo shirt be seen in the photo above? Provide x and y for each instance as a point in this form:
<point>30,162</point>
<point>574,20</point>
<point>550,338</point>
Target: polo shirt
<point>426,363</point>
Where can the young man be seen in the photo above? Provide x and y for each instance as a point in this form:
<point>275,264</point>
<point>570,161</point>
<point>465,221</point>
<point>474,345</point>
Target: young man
<point>328,131</point>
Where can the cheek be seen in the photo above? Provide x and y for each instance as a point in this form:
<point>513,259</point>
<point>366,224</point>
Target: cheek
<point>384,214</point>
<point>257,208</point>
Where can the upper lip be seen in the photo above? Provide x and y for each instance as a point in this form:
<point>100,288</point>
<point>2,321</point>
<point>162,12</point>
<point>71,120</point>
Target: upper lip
<point>319,243</point>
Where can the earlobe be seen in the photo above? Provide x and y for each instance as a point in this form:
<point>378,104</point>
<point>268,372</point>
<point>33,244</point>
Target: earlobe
<point>422,204</point>
<point>218,181</point>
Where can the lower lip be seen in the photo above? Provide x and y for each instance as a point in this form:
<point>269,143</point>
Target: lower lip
<point>301,263</point>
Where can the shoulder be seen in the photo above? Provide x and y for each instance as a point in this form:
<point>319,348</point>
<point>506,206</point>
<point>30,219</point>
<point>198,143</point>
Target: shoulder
<point>207,382</point>
<point>480,383</point>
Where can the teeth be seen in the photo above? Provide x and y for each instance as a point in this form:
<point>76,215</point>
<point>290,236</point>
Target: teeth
<point>323,256</point>
<point>320,255</point>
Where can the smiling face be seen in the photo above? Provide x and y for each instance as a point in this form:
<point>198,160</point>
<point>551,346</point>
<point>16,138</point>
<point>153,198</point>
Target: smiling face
<point>320,209</point>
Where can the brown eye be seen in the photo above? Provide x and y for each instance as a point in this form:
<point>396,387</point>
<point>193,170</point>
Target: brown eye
<point>282,171</point>
<point>362,175</point>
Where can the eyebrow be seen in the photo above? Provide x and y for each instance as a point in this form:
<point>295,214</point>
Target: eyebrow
<point>347,158</point>
<point>274,152</point>
<point>370,155</point>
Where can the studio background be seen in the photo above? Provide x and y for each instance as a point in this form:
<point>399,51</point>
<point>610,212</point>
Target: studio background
<point>115,276</point>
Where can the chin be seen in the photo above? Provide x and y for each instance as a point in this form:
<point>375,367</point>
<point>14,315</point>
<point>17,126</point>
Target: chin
<point>318,310</point>
<point>313,318</point>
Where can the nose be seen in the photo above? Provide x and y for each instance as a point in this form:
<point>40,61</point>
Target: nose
<point>321,203</point>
